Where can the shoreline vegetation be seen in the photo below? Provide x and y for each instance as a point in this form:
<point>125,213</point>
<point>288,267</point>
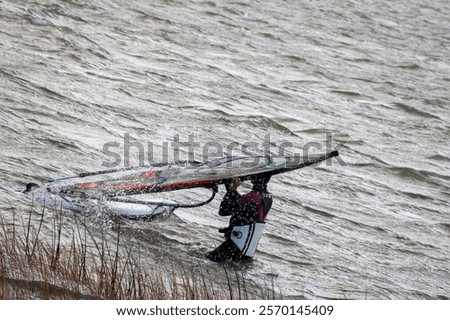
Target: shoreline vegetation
<point>69,262</point>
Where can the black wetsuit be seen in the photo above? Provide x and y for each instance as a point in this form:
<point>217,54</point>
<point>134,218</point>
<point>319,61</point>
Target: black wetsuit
<point>244,210</point>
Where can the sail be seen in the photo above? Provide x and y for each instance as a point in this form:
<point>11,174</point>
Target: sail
<point>175,176</point>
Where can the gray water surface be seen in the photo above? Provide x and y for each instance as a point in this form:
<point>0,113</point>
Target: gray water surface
<point>374,75</point>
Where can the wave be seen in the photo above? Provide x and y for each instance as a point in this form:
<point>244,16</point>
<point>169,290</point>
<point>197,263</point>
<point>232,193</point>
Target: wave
<point>418,174</point>
<point>346,93</point>
<point>414,111</point>
<point>319,212</point>
<point>444,227</point>
<point>439,157</point>
<point>409,66</point>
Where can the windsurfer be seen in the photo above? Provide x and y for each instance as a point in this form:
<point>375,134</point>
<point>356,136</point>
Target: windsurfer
<point>248,214</point>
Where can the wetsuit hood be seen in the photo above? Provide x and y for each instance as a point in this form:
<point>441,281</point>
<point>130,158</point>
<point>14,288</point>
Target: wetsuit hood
<point>260,182</point>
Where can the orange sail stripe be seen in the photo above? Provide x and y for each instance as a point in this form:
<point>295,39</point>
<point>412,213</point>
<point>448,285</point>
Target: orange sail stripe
<point>90,185</point>
<point>181,185</point>
<point>148,174</point>
<point>137,186</point>
<point>126,186</point>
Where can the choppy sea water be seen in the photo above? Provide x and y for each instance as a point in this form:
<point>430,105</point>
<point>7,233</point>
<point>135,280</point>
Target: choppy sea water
<point>372,78</point>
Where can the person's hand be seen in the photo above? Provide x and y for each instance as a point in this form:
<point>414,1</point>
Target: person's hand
<point>226,231</point>
<point>235,183</point>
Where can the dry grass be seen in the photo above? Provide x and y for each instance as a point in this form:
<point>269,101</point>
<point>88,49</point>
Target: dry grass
<point>72,263</point>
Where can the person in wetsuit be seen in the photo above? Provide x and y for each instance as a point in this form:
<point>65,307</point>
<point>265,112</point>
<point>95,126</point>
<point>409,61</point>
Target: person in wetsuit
<point>248,213</point>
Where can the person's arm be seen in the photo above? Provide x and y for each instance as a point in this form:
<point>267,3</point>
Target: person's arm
<point>230,200</point>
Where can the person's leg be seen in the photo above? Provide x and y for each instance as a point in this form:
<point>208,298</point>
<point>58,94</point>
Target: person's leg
<point>226,251</point>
